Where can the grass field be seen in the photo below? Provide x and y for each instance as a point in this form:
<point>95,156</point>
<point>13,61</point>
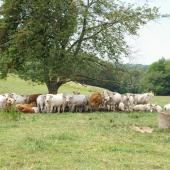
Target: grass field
<point>87,141</point>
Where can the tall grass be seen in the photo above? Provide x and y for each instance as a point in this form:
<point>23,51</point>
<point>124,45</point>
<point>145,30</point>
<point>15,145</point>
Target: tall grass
<point>11,115</point>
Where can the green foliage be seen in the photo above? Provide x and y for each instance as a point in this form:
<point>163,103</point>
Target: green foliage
<point>157,77</point>
<point>44,40</point>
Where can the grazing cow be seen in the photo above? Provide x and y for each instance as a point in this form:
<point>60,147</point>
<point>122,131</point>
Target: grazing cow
<point>167,107</point>
<point>95,100</point>
<point>41,103</point>
<point>55,101</point>
<point>77,102</point>
<point>32,98</point>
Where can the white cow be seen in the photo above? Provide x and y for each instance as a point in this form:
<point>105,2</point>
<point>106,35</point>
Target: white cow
<point>128,101</point>
<point>41,103</point>
<point>2,101</point>
<point>143,108</point>
<point>156,108</point>
<point>143,98</point>
<point>19,99</point>
<point>121,106</point>
<point>9,103</point>
<point>111,100</point>
<point>77,102</point>
<point>36,109</point>
<point>55,101</point>
<point>167,107</point>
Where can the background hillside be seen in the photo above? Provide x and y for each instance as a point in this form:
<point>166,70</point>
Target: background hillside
<point>17,85</point>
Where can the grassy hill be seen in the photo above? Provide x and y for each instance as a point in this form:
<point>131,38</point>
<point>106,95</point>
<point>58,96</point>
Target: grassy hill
<point>15,84</point>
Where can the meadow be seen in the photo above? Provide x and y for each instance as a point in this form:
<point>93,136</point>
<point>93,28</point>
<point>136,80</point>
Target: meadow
<point>82,141</point>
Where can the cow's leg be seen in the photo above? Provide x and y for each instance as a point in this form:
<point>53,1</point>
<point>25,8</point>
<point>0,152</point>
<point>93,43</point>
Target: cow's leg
<point>63,108</point>
<point>72,108</point>
<point>51,108</point>
<point>58,108</point>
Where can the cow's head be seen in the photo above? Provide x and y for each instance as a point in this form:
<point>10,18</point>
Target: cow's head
<point>48,97</point>
<point>10,101</point>
<point>68,99</point>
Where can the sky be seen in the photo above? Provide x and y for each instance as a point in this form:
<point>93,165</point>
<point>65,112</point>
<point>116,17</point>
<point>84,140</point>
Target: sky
<point>153,41</point>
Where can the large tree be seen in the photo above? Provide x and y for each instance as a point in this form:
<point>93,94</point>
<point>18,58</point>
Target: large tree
<point>53,41</point>
<point>157,77</point>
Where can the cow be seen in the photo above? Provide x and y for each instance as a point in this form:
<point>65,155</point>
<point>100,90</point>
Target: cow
<point>19,99</point>
<point>41,103</point>
<point>143,108</point>
<point>55,101</point>
<point>128,100</point>
<point>3,100</point>
<point>26,108</point>
<point>121,106</point>
<point>77,102</point>
<point>111,100</point>
<point>32,98</point>
<point>143,98</point>
<point>9,103</point>
<point>167,107</point>
<point>95,101</point>
<point>156,108</point>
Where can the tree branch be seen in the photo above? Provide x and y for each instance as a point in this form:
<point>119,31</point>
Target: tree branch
<point>96,33</point>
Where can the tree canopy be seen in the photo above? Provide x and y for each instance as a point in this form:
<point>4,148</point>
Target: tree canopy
<point>53,41</point>
<point>157,77</point>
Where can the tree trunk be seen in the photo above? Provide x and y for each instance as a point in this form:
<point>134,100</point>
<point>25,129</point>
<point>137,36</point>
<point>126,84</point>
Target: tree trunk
<point>53,87</point>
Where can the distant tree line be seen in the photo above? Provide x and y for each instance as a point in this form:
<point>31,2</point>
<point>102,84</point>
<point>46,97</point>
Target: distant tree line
<point>133,78</point>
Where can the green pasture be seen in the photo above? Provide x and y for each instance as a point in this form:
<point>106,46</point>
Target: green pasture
<point>80,141</point>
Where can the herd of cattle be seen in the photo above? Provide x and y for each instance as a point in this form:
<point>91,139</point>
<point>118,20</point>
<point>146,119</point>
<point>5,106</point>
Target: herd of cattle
<point>98,101</point>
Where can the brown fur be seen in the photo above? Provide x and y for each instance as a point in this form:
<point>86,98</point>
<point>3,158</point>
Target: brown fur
<point>95,100</point>
<point>25,108</point>
<point>33,98</point>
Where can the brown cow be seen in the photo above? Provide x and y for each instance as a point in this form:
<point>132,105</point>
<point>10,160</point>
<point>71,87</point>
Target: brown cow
<point>26,108</point>
<point>32,98</point>
<point>95,100</point>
